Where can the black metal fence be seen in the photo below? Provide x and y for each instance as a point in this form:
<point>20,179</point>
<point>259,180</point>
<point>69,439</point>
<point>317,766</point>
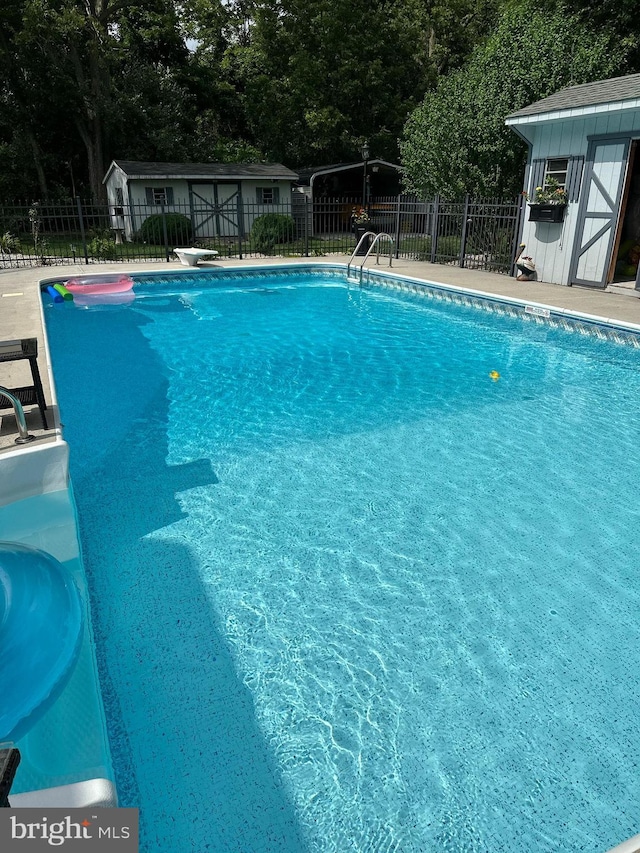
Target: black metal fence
<point>474,233</point>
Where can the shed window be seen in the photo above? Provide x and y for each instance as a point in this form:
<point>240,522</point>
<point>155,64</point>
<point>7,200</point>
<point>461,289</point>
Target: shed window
<point>159,195</point>
<point>566,170</point>
<point>119,196</point>
<point>268,195</point>
<point>557,169</point>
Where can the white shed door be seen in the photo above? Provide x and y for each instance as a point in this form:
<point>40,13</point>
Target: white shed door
<point>215,209</point>
<point>599,209</point>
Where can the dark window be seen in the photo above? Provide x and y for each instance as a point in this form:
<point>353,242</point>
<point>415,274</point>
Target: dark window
<point>159,195</point>
<point>268,195</point>
<point>557,169</point>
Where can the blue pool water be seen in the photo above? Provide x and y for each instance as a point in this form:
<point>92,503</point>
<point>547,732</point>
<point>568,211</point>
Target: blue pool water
<point>349,592</point>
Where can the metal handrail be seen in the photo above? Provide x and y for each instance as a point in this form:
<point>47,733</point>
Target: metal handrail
<point>23,433</point>
<point>376,239</point>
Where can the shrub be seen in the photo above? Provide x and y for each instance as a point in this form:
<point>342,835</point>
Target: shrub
<point>102,246</point>
<point>179,231</point>
<point>9,243</point>
<point>495,242</point>
<point>269,230</point>
<point>448,245</point>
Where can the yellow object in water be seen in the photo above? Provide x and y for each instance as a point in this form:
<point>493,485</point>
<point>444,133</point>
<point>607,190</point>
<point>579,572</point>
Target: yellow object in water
<point>494,375</point>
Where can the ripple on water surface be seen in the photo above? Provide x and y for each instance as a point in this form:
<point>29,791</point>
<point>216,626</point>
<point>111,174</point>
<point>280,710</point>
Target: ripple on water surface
<point>408,589</point>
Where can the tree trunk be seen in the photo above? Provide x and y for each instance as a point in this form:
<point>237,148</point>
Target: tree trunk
<point>37,160</point>
<point>92,140</point>
<point>100,87</point>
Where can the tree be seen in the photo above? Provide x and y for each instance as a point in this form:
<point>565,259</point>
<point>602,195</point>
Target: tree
<point>70,65</point>
<point>316,77</point>
<point>302,81</point>
<point>457,142</point>
<point>25,104</point>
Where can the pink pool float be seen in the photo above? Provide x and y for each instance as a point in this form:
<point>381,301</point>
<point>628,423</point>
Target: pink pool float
<point>91,285</point>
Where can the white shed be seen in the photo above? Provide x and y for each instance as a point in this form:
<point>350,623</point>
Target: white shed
<point>586,137</point>
<point>219,199</point>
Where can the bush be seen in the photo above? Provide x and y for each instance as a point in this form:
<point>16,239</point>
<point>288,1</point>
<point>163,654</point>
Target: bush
<point>269,230</point>
<point>103,246</point>
<point>418,248</point>
<point>495,242</point>
<point>179,231</point>
<point>9,243</point>
<point>448,245</point>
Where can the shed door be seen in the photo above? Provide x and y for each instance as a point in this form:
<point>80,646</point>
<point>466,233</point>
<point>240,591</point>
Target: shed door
<point>215,209</point>
<point>599,210</point>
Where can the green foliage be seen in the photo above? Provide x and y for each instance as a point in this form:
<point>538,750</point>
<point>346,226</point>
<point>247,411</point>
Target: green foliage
<point>103,246</point>
<point>318,76</point>
<point>179,231</point>
<point>550,193</point>
<point>457,141</point>
<point>621,16</point>
<point>299,81</point>
<point>9,243</point>
<point>40,243</point>
<point>419,248</point>
<point>448,245</point>
<point>456,27</point>
<point>271,229</point>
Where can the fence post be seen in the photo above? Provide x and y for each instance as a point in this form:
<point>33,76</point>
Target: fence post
<point>434,229</point>
<point>164,232</point>
<point>519,219</point>
<point>240,209</point>
<point>306,226</point>
<point>398,228</point>
<point>463,239</point>
<point>82,231</point>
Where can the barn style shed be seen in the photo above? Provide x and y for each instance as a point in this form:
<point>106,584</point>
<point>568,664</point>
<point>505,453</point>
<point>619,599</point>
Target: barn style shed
<point>220,199</point>
<point>586,138</point>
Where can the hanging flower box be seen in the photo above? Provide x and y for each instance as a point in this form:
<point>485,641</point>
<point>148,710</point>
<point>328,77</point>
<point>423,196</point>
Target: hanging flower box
<point>546,212</point>
<point>547,203</point>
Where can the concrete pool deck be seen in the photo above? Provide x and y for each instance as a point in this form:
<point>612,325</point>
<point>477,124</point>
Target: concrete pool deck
<point>21,317</point>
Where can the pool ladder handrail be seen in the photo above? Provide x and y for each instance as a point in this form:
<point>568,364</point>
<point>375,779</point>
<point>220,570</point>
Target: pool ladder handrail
<point>23,433</point>
<point>374,242</point>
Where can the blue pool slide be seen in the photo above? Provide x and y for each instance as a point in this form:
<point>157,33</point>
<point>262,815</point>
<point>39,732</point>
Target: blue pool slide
<point>40,632</point>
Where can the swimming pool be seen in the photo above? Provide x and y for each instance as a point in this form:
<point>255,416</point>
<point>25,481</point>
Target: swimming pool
<point>350,591</point>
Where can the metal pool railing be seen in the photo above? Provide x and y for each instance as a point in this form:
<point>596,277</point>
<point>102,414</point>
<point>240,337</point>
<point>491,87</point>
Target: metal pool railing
<point>375,242</point>
<point>23,432</point>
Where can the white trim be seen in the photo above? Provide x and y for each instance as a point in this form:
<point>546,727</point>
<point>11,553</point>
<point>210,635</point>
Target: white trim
<point>92,794</point>
<point>169,176</point>
<point>30,471</point>
<point>574,112</point>
<point>630,846</point>
<point>113,166</point>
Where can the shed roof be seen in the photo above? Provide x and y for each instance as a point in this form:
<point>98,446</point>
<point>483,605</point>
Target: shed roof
<point>193,171</point>
<point>614,90</point>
